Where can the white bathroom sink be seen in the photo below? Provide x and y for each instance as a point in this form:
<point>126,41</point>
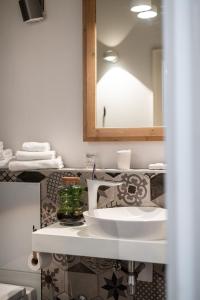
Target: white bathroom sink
<point>143,223</point>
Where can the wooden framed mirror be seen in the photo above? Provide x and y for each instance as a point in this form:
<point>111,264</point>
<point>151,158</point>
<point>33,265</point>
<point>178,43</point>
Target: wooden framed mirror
<point>92,130</point>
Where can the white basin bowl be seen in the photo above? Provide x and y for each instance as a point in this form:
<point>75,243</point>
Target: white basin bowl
<point>143,223</point>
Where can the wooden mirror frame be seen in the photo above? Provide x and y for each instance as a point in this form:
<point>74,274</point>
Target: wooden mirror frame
<point>90,132</point>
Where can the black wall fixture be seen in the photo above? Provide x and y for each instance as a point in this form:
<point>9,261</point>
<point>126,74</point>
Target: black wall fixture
<point>32,10</point>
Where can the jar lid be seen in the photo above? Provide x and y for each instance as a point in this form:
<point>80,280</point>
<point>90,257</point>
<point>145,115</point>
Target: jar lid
<point>71,179</point>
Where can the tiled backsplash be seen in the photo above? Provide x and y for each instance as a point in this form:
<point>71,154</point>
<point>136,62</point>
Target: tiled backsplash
<point>68,277</point>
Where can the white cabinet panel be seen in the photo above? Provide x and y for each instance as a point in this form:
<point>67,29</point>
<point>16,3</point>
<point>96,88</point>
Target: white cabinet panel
<point>19,211</point>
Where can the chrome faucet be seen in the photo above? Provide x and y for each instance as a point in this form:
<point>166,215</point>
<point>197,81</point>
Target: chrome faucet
<point>93,186</point>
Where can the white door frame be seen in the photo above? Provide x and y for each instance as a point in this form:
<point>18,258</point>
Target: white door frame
<point>182,118</point>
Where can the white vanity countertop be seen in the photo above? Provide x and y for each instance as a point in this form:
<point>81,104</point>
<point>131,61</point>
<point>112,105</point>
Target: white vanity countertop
<point>114,170</point>
<point>78,241</point>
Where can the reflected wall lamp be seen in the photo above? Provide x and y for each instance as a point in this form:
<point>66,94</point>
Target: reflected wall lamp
<point>148,14</point>
<point>111,56</point>
<point>138,6</point>
<point>32,10</point>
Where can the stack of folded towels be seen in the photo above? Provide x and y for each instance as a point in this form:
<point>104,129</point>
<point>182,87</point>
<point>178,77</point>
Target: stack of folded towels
<point>35,156</point>
<point>158,166</point>
<point>5,156</point>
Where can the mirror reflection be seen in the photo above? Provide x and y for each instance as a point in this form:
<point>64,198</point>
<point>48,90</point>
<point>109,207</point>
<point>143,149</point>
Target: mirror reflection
<point>129,64</point>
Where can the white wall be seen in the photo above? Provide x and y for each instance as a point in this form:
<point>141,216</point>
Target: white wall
<point>19,210</point>
<point>125,88</point>
<point>41,86</point>
<point>128,102</point>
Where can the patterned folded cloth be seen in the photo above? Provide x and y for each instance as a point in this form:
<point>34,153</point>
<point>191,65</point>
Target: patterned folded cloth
<point>16,166</point>
<point>26,155</point>
<point>34,146</point>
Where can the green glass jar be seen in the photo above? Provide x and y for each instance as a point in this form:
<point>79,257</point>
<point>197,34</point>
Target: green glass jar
<point>70,208</point>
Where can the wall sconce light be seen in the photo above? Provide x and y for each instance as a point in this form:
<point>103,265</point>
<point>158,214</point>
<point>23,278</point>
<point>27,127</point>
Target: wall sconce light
<point>152,13</point>
<point>138,6</point>
<point>32,10</point>
<point>110,56</point>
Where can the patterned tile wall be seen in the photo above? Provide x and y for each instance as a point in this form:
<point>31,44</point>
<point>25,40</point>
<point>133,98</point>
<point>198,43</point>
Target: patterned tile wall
<point>73,277</point>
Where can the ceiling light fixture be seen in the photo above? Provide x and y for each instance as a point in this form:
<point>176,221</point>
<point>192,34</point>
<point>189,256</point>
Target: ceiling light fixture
<point>152,13</point>
<point>110,56</point>
<point>138,6</point>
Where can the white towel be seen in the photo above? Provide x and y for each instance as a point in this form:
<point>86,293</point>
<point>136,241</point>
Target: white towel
<point>157,166</point>
<point>6,154</point>
<point>56,163</point>
<point>4,163</point>
<point>27,156</point>
<point>35,147</point>
<point>5,157</point>
<point>1,155</point>
<point>1,146</point>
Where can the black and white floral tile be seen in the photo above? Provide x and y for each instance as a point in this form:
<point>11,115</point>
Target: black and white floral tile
<point>69,277</point>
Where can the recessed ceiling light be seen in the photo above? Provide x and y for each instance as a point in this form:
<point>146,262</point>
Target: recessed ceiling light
<point>110,56</point>
<point>152,13</point>
<point>140,5</point>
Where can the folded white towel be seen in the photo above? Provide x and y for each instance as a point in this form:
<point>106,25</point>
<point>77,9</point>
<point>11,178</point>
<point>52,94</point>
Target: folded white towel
<point>1,155</point>
<point>1,146</point>
<point>158,166</point>
<point>6,154</point>
<point>5,157</point>
<point>56,163</point>
<point>35,147</point>
<point>4,163</point>
<point>26,155</point>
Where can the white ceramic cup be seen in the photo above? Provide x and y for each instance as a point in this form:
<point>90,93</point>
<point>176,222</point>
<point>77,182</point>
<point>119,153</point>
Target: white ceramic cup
<point>124,159</point>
